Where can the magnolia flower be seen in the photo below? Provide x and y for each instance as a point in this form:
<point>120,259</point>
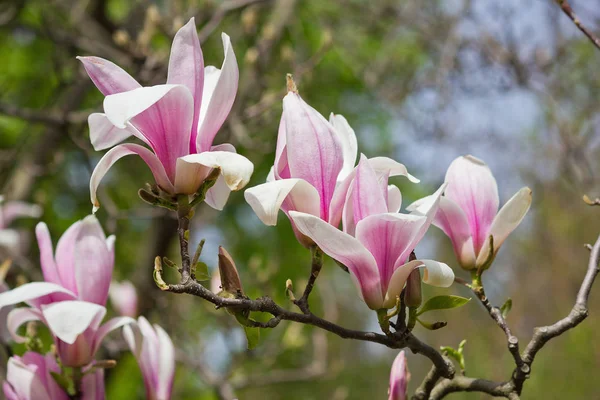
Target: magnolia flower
<point>124,298</point>
<point>155,354</point>
<point>28,378</point>
<point>178,120</point>
<point>469,215</point>
<point>9,211</point>
<point>80,269</point>
<point>4,334</point>
<point>74,325</point>
<point>313,161</point>
<point>377,255</point>
<point>399,377</point>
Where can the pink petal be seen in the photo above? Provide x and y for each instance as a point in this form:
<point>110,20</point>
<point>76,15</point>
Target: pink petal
<point>162,113</point>
<point>93,269</point>
<point>65,257</point>
<point>436,274</point>
<point>507,220</point>
<point>108,77</point>
<point>347,138</point>
<point>109,326</point>
<point>267,199</point>
<point>473,188</point>
<point>220,87</point>
<point>427,207</point>
<point>18,317</point>
<point>193,169</point>
<point>166,363</point>
<point>281,169</point>
<point>49,269</point>
<point>12,210</point>
<point>103,134</point>
<point>367,198</point>
<point>92,386</point>
<point>399,378</point>
<point>186,67</point>
<point>347,250</point>
<point>451,219</point>
<point>114,154</point>
<point>389,238</point>
<point>123,297</point>
<point>314,151</point>
<point>24,381</point>
<point>387,166</point>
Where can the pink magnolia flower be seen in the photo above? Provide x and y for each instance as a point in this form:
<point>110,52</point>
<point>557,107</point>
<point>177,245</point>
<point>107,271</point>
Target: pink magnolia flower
<point>124,298</point>
<point>313,163</point>
<point>178,120</point>
<point>399,377</point>
<point>9,211</point>
<point>155,353</point>
<point>469,215</point>
<point>74,325</point>
<point>81,268</point>
<point>28,378</point>
<point>377,255</point>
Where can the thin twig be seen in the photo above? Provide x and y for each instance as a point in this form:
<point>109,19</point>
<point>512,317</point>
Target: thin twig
<point>566,8</point>
<point>316,265</point>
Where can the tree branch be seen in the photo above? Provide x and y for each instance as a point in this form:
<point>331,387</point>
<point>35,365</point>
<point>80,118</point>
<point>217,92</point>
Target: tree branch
<point>566,8</point>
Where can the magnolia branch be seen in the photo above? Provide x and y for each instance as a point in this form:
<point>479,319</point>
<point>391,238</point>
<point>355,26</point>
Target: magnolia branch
<point>568,10</point>
<point>434,388</point>
<point>265,304</point>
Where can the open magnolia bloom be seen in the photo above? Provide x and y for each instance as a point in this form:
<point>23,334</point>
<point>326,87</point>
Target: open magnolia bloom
<point>29,378</point>
<point>377,255</point>
<point>178,120</point>
<point>81,268</point>
<point>74,325</point>
<point>155,353</point>
<point>314,162</point>
<point>123,298</point>
<point>399,377</point>
<point>469,215</point>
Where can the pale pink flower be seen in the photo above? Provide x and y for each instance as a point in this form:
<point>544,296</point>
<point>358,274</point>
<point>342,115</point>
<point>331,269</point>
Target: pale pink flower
<point>155,354</point>
<point>9,211</point>
<point>177,120</point>
<point>469,215</point>
<point>399,377</point>
<point>314,161</point>
<point>124,298</point>
<point>377,255</point>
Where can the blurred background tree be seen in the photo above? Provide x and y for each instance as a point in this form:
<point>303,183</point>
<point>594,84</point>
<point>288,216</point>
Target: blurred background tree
<point>512,82</point>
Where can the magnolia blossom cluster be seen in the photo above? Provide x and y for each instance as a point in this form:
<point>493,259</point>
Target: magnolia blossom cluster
<point>347,209</point>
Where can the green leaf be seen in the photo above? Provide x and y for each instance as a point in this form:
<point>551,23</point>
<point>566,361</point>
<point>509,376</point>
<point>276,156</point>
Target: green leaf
<point>456,354</point>
<point>432,326</point>
<point>253,336</point>
<point>443,303</point>
<point>202,273</point>
<point>506,307</point>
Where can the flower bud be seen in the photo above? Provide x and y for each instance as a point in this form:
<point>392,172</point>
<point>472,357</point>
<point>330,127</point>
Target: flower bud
<point>412,294</point>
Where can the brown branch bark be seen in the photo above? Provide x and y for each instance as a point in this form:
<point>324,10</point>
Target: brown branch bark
<point>568,10</point>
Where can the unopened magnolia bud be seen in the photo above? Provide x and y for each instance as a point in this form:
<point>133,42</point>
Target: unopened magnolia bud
<point>230,279</point>
<point>412,293</point>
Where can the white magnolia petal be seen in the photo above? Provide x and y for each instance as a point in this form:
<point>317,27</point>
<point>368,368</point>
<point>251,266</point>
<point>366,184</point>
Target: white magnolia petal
<point>68,319</point>
<point>193,169</point>
<point>122,107</point>
<point>103,134</point>
<point>506,221</point>
<point>349,144</point>
<point>218,96</point>
<point>394,199</point>
<point>266,199</point>
<point>385,165</point>
<point>118,152</point>
<point>436,274</point>
<point>166,362</point>
<point>31,291</point>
